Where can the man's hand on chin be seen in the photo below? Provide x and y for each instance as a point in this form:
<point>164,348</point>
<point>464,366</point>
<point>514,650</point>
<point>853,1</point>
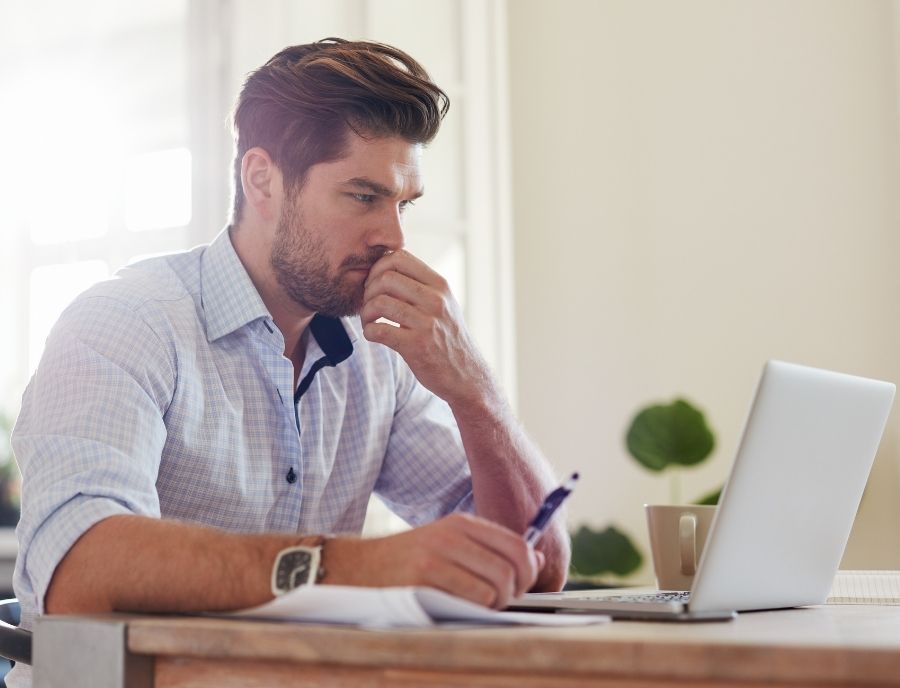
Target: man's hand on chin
<point>432,337</point>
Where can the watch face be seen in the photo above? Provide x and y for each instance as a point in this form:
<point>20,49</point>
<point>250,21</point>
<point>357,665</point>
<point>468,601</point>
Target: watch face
<point>293,570</point>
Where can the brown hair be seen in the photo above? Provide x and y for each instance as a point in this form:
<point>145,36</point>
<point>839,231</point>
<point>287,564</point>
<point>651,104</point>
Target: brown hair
<point>300,105</point>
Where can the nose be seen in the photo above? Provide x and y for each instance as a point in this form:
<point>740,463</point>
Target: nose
<point>389,231</point>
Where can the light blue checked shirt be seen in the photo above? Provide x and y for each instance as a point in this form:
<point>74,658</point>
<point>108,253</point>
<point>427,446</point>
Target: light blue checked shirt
<point>165,392</point>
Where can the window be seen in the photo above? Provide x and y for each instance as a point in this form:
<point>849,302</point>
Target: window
<point>158,190</point>
<point>97,156</point>
<point>50,290</point>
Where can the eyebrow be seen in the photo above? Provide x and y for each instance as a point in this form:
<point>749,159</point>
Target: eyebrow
<point>376,188</point>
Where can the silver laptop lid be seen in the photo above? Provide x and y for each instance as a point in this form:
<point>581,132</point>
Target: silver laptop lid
<point>791,498</point>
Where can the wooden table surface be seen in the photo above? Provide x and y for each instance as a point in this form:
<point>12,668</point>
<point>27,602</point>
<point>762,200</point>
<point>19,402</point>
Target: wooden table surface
<point>833,646</point>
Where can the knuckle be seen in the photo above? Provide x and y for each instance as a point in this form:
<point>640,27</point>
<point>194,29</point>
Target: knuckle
<point>508,572</point>
<point>389,278</point>
<point>381,301</point>
<point>379,333</point>
<point>435,302</point>
<point>432,326</point>
<point>367,313</point>
<point>502,598</point>
<point>487,596</point>
<point>528,570</point>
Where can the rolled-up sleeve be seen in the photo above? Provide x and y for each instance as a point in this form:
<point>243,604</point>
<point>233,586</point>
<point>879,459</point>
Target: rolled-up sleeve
<point>90,433</point>
<point>425,474</point>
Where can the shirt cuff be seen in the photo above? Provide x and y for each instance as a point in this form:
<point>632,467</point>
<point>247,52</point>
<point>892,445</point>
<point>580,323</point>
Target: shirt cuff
<point>59,532</point>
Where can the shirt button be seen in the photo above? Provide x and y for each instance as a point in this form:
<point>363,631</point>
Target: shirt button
<point>291,476</point>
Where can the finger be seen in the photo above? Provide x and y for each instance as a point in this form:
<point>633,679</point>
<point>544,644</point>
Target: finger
<point>384,306</point>
<point>407,264</point>
<point>483,562</point>
<point>393,283</point>
<point>461,582</point>
<point>396,338</point>
<point>511,546</point>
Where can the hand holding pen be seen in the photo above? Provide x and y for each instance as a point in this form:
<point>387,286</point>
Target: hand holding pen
<point>552,502</point>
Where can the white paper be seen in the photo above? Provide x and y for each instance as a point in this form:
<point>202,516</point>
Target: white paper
<point>865,587</point>
<point>396,608</point>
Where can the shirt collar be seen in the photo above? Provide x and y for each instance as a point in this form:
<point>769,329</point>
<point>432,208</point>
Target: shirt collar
<point>227,294</point>
<point>230,301</point>
<point>335,337</point>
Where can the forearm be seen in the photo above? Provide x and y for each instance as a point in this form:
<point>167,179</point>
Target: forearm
<point>136,563</point>
<point>510,477</point>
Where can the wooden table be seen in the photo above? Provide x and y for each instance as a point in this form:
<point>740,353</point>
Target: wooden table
<point>816,646</point>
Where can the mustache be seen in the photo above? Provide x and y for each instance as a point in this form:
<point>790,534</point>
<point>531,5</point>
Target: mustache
<point>366,261</point>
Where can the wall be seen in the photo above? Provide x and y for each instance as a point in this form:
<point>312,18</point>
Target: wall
<point>700,186</point>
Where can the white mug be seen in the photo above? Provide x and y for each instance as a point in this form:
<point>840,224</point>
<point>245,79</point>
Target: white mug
<point>677,537</point>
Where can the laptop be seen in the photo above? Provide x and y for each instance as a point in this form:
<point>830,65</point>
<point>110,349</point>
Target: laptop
<point>786,510</point>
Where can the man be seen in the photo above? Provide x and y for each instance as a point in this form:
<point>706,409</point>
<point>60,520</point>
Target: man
<point>209,419</point>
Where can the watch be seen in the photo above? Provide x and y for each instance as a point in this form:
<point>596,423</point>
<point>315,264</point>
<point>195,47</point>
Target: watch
<point>296,566</point>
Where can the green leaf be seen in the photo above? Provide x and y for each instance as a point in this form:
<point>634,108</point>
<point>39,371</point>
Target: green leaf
<point>9,476</point>
<point>712,498</point>
<point>669,434</point>
<point>607,551</point>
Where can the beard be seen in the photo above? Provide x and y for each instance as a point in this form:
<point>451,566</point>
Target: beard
<point>301,267</point>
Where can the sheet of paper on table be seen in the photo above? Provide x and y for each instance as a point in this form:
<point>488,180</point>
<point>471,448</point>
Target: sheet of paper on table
<point>865,587</point>
<point>396,608</point>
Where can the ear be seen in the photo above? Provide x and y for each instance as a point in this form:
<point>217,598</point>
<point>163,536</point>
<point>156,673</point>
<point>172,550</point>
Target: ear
<point>262,183</point>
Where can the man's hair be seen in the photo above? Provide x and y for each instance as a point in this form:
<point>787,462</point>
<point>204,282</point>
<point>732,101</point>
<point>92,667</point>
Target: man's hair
<point>301,105</point>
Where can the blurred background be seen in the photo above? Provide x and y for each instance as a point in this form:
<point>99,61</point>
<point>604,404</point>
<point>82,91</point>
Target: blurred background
<point>635,200</point>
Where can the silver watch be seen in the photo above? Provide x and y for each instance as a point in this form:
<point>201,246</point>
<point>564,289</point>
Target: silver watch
<point>296,566</point>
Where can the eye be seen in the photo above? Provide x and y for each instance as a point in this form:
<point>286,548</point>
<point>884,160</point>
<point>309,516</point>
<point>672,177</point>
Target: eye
<point>406,204</point>
<point>368,199</point>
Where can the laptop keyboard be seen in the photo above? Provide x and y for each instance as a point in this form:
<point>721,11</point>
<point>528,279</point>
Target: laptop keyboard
<point>680,596</point>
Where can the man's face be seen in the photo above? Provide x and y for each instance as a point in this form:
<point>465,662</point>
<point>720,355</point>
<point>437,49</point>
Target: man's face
<point>346,216</point>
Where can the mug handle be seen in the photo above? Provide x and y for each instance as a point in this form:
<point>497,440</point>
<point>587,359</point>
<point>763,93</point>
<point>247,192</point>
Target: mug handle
<point>687,539</point>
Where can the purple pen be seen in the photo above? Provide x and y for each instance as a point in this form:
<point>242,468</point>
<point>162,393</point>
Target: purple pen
<point>553,501</point>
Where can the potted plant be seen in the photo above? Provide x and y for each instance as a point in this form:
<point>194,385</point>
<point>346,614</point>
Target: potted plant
<point>10,479</point>
<point>670,437</point>
<point>660,437</point>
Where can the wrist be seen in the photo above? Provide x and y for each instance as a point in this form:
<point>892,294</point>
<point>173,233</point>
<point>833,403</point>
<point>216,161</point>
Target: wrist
<point>297,566</point>
<point>364,562</point>
<point>343,564</point>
